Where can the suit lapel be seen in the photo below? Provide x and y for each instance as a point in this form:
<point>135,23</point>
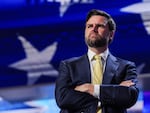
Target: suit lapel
<point>84,66</point>
<point>110,69</point>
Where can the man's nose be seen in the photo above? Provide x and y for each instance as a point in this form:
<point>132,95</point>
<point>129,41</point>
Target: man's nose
<point>95,28</point>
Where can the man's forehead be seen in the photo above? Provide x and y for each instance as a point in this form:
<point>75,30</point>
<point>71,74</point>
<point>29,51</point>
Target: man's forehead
<point>97,19</point>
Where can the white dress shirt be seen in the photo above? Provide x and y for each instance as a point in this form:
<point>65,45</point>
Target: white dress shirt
<point>104,56</point>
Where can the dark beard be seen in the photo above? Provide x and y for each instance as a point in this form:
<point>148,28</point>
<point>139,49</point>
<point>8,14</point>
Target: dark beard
<point>96,43</point>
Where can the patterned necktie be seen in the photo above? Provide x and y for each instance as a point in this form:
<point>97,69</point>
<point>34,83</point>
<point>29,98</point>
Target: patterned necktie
<point>98,74</point>
<point>97,70</point>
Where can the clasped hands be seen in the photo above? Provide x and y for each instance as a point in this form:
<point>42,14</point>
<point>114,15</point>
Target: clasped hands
<point>89,88</point>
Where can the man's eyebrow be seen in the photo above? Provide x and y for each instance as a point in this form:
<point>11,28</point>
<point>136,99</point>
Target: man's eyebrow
<point>99,24</point>
<point>88,23</point>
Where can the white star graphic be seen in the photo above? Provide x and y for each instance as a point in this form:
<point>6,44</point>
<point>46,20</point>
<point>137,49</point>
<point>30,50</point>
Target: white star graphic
<point>65,4</point>
<point>36,63</point>
<point>142,8</point>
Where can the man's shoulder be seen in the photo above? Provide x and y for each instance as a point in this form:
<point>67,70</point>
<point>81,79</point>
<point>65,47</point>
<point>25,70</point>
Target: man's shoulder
<point>75,59</point>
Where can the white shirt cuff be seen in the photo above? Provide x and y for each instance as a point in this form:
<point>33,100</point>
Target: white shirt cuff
<point>96,91</point>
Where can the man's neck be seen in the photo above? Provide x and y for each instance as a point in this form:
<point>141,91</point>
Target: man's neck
<point>98,50</point>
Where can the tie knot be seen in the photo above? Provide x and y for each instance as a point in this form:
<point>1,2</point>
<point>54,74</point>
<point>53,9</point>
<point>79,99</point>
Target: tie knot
<point>96,57</point>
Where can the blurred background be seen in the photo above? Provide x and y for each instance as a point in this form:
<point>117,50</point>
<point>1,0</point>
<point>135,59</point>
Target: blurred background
<point>35,35</point>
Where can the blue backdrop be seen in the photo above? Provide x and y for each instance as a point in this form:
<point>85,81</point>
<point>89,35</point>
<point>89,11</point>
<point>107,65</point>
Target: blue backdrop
<point>35,35</point>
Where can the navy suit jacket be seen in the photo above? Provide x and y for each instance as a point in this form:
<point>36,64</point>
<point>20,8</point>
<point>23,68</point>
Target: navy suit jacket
<point>113,97</point>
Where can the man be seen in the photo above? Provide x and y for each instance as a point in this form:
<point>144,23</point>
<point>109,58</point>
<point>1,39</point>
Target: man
<point>114,91</point>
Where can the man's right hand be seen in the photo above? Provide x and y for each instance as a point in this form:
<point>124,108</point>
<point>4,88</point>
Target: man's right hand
<point>127,83</point>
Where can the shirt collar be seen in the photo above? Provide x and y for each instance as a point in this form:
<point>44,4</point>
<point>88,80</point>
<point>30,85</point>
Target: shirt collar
<point>104,55</point>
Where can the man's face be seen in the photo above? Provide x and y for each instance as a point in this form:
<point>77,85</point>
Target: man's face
<point>97,33</point>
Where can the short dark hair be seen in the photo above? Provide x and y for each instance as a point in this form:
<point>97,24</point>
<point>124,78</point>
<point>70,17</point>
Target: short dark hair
<point>111,22</point>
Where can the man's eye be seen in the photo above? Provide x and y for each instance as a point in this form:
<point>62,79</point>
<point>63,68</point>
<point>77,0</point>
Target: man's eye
<point>100,25</point>
<point>89,26</point>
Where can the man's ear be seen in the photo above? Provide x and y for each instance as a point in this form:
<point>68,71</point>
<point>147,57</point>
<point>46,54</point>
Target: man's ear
<point>111,36</point>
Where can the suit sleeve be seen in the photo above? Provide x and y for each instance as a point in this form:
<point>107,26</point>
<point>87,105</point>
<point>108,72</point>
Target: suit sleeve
<point>121,96</point>
<point>66,96</point>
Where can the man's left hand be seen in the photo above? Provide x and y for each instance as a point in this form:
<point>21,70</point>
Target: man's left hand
<point>88,88</point>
